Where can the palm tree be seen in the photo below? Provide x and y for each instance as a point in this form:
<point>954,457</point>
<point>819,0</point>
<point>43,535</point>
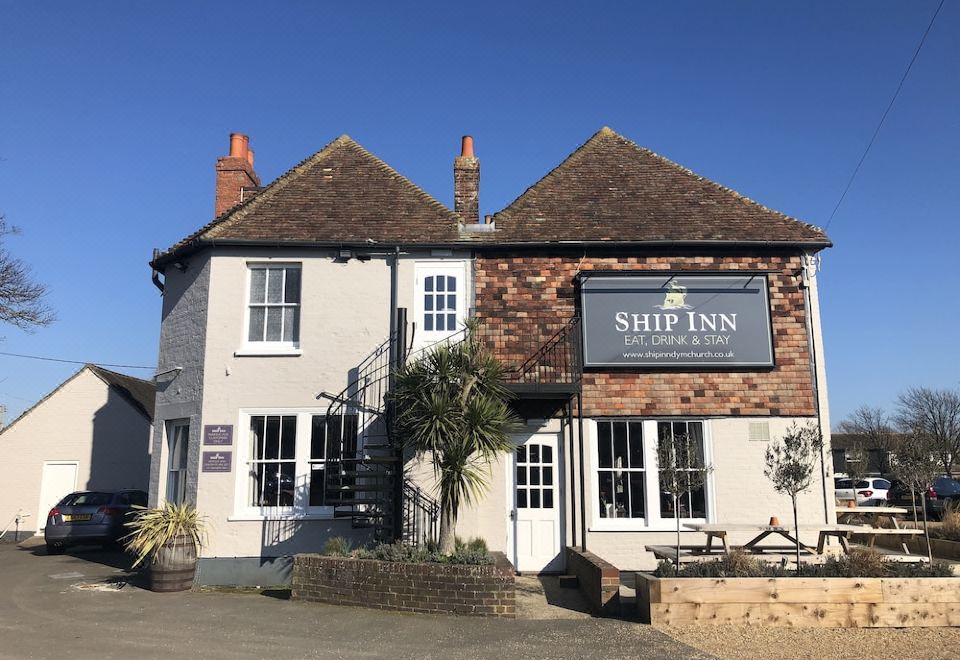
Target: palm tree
<point>451,406</point>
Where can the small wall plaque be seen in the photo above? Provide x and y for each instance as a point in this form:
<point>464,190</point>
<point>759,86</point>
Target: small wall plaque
<point>217,461</point>
<point>218,434</point>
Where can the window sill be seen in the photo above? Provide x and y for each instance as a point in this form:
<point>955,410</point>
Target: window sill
<point>268,352</point>
<point>639,527</point>
<point>253,517</point>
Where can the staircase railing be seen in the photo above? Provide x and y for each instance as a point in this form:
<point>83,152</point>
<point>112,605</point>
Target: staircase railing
<point>421,516</point>
<point>530,361</point>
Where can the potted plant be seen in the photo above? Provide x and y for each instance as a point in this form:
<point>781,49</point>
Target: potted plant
<point>170,537</point>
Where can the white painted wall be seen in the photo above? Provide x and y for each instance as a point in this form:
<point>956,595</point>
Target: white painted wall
<point>740,494</point>
<point>85,422</point>
<point>345,314</point>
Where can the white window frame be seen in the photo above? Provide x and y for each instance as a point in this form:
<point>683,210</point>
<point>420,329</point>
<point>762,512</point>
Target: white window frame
<point>265,346</point>
<point>181,471</point>
<point>653,521</point>
<point>301,510</point>
<point>449,268</point>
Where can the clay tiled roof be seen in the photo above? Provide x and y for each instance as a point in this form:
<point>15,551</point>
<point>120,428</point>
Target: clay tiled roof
<point>343,193</point>
<point>610,189</point>
<point>141,393</point>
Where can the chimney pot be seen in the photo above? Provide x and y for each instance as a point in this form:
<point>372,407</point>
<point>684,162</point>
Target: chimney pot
<point>466,147</point>
<point>250,157</point>
<point>238,145</point>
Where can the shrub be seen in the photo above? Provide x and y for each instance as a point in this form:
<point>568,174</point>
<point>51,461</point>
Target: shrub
<point>473,552</point>
<point>736,564</point>
<point>155,528</point>
<point>862,562</point>
<point>950,524</point>
<point>337,546</point>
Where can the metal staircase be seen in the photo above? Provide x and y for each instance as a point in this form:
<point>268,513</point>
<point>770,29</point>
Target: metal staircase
<point>364,465</point>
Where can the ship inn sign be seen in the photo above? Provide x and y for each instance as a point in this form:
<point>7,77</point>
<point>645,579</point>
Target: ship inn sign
<point>676,320</point>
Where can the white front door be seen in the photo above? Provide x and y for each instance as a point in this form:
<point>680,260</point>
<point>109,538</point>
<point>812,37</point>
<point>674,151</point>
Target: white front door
<point>57,480</point>
<point>536,503</point>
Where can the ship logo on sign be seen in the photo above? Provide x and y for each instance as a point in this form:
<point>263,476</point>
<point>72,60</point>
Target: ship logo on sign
<point>675,297</point>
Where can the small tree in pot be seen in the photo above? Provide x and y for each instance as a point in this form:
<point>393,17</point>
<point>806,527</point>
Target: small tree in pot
<point>791,464</point>
<point>170,537</point>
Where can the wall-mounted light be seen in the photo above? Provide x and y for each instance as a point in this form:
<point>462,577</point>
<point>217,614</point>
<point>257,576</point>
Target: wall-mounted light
<point>167,374</point>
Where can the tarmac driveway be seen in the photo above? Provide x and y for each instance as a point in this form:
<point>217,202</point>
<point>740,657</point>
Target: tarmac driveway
<point>79,605</point>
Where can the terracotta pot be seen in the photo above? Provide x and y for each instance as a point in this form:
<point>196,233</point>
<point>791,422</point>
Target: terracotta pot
<point>851,504</point>
<point>774,521</point>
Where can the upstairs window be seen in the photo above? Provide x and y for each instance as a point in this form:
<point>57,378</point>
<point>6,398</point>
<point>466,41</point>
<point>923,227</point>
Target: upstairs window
<point>442,300</point>
<point>439,303</point>
<point>274,305</point>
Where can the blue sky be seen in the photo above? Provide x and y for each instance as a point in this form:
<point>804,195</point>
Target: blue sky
<point>113,115</point>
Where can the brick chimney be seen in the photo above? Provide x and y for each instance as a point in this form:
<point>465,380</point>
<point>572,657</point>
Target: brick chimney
<point>234,173</point>
<point>466,183</point>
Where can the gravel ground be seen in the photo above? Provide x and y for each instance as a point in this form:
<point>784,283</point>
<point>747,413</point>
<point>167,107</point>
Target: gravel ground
<point>745,642</point>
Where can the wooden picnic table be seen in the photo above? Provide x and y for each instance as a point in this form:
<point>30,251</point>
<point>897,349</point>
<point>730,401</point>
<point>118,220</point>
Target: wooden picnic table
<point>875,516</point>
<point>721,530</point>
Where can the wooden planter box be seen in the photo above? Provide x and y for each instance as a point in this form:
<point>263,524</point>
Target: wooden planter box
<point>942,548</point>
<point>800,602</point>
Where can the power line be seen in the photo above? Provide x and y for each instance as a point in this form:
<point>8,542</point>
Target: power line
<point>885,113</point>
<point>99,364</point>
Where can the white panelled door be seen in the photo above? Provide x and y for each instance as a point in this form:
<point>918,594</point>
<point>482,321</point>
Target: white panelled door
<point>58,480</point>
<point>536,504</point>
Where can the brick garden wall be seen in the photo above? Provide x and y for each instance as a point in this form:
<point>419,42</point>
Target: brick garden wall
<point>599,581</point>
<point>429,588</point>
<point>519,286</point>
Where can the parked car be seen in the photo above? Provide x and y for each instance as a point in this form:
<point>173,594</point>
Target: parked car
<point>870,491</point>
<point>91,517</point>
<point>944,492</point>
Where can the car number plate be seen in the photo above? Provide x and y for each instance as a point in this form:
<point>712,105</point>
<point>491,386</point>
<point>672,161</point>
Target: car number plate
<point>76,517</point>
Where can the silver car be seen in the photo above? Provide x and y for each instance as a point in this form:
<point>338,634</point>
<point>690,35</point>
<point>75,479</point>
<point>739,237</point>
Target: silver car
<point>91,517</point>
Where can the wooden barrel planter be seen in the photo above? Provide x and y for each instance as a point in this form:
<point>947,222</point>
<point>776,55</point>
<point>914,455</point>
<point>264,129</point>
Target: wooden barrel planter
<point>174,565</point>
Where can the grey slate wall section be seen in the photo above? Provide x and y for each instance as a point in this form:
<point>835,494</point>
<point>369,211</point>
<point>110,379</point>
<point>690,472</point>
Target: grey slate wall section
<point>182,344</point>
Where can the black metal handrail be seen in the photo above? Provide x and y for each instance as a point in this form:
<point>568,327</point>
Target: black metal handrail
<point>421,516</point>
<point>536,351</point>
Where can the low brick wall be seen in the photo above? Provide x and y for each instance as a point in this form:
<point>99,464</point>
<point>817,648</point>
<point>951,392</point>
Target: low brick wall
<point>429,588</point>
<point>599,581</point>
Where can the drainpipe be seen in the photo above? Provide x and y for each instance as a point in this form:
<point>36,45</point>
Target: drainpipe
<point>583,499</point>
<point>812,343</point>
<point>155,274</point>
<point>391,381</point>
<point>394,278</point>
<point>573,471</point>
